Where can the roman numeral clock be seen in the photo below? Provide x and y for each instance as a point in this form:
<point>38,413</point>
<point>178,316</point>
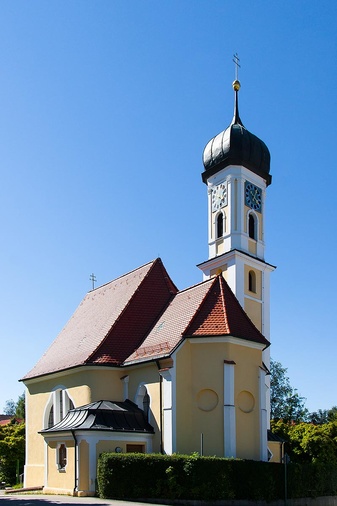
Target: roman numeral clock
<point>219,197</point>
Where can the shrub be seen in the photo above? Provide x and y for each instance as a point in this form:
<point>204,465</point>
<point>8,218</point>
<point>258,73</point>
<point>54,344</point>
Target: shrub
<point>136,476</point>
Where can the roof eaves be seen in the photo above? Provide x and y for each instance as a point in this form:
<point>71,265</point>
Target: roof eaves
<point>259,343</point>
<point>32,379</point>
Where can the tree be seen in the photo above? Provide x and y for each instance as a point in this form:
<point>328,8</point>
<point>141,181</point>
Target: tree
<point>323,416</point>
<point>20,411</point>
<point>285,402</point>
<point>10,408</point>
<point>306,442</point>
<point>17,409</point>
<point>12,451</point>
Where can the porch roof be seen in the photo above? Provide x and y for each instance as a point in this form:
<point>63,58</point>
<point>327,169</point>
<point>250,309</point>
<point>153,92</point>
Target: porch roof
<point>111,416</point>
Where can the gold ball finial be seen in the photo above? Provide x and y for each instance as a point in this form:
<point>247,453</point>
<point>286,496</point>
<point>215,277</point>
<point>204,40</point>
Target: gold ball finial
<point>236,85</point>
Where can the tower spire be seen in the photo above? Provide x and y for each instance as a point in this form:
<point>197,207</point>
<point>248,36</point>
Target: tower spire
<point>236,87</point>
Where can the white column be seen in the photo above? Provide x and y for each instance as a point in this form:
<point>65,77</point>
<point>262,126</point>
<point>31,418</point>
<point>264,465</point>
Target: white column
<point>263,416</point>
<point>46,468</point>
<point>167,411</point>
<point>229,410</point>
<point>92,464</point>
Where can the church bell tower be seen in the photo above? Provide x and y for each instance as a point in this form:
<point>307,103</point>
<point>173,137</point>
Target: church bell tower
<point>237,174</point>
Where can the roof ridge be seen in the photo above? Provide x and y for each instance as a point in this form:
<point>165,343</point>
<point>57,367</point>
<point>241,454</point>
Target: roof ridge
<point>169,285</point>
<point>233,318</point>
<point>196,285</point>
<point>225,286</point>
<point>153,262</point>
<point>213,281</point>
<point>168,280</point>
<point>223,301</point>
<point>124,275</point>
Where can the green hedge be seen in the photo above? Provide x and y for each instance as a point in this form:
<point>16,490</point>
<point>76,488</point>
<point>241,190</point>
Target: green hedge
<point>311,480</point>
<point>136,476</point>
<point>151,476</point>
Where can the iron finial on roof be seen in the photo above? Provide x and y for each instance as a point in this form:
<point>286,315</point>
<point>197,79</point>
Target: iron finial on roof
<point>93,279</point>
<point>236,87</point>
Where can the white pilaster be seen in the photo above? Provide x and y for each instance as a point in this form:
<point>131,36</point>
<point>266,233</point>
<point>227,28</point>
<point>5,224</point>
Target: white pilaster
<point>263,415</point>
<point>229,411</point>
<point>167,411</point>
<point>92,464</point>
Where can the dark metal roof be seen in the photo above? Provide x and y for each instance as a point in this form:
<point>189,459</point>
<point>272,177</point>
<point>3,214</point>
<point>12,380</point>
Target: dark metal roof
<point>111,416</point>
<point>236,146</point>
<point>274,437</point>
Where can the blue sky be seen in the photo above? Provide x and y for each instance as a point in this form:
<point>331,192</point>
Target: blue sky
<point>105,109</point>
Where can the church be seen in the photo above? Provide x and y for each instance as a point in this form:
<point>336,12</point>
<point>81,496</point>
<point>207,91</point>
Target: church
<point>144,367</point>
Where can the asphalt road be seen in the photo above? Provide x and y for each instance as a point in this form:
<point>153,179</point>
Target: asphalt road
<point>53,500</point>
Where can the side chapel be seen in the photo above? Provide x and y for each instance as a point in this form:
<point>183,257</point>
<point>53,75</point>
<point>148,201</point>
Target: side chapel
<point>144,367</point>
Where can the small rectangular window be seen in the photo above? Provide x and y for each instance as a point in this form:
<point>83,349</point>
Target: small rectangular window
<point>135,448</point>
<point>62,456</point>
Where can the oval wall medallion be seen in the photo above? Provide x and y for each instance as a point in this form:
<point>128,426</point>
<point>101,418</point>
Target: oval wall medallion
<point>246,401</point>
<point>207,399</point>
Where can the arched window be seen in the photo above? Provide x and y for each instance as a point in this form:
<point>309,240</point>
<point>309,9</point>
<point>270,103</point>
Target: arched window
<point>143,400</point>
<point>61,403</point>
<point>219,225</point>
<point>252,226</point>
<point>146,405</point>
<point>57,407</point>
<point>51,417</point>
<point>252,281</point>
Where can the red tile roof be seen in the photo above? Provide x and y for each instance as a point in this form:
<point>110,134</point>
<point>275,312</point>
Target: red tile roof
<point>142,316</point>
<point>6,419</point>
<point>169,329</point>
<point>137,318</point>
<point>207,309</point>
<point>97,331</point>
<point>221,314</point>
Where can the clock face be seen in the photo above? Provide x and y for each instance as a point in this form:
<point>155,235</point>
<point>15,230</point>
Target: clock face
<point>219,197</point>
<point>253,196</point>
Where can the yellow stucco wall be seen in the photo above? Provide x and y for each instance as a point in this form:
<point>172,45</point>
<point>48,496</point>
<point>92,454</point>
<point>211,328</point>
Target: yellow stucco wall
<point>252,246</point>
<point>253,300</point>
<point>220,247</point>
<point>60,481</point>
<point>110,446</point>
<point>148,375</point>
<point>200,401</point>
<point>258,276</point>
<point>83,386</point>
<point>199,370</point>
<point>253,309</point>
<point>277,451</point>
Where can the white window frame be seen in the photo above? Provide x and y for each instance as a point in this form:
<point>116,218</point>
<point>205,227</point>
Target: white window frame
<point>256,223</point>
<point>58,449</point>
<point>54,401</point>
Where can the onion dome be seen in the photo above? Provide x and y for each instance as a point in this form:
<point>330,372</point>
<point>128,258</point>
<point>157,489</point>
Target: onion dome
<point>236,146</point>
